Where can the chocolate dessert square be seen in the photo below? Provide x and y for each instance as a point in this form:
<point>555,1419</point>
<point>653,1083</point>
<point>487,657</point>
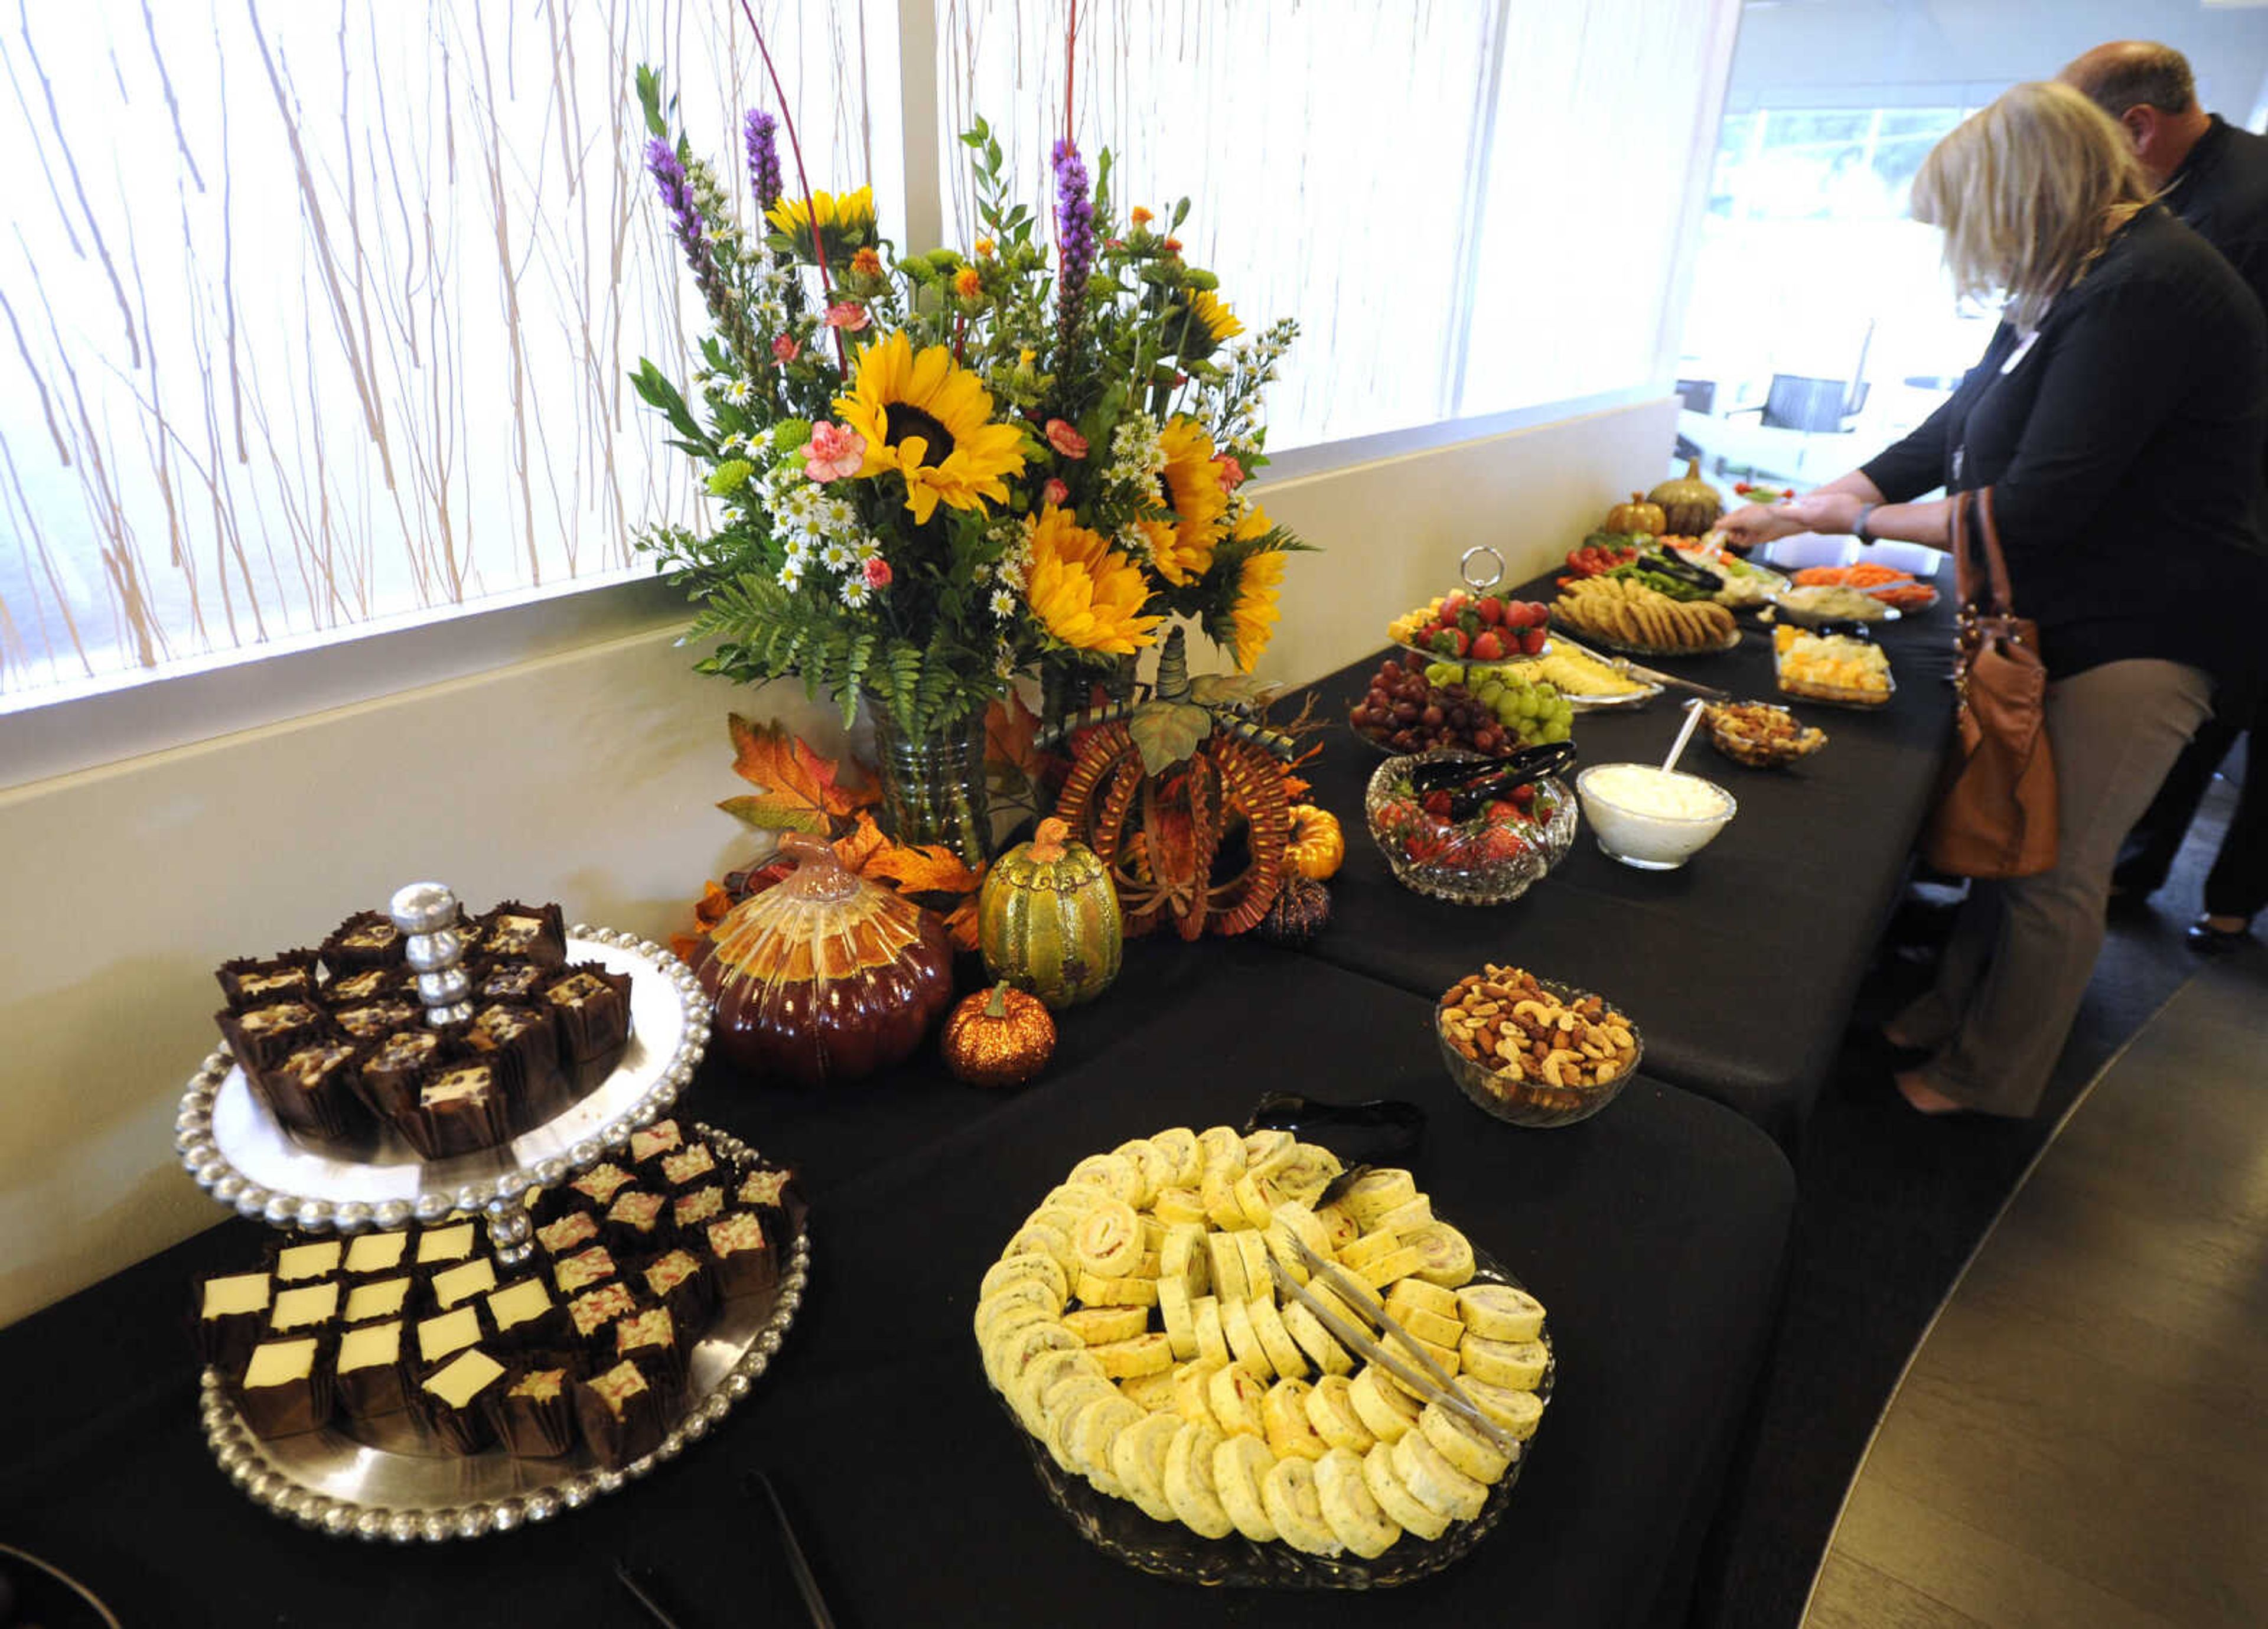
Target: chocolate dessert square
<point>454,1285</point>
<point>312,1091</point>
<point>365,939</point>
<point>574,1274</point>
<point>771,1192</point>
<point>448,1333</point>
<point>308,1309</point>
<point>592,1314</point>
<point>255,981</point>
<point>460,1108</point>
<point>510,981</point>
<point>299,1263</point>
<point>261,1037</point>
<point>596,1187</point>
<point>681,1281</point>
<point>232,1318</point>
<point>536,934</point>
<point>451,1398</point>
<point>688,1166</point>
<point>526,1046</point>
<point>663,1137</point>
<point>621,1414</point>
<point>591,1007</point>
<point>527,1314</point>
<point>394,1072</point>
<point>637,1222</point>
<point>373,983</point>
<point>744,1258</point>
<point>534,1414</point>
<point>379,1297</point>
<point>372,1371</point>
<point>689,1213</point>
<point>286,1387</point>
<point>452,1241</point>
<point>569,1234</point>
<point>651,1339</point>
<point>373,1255</point>
<point>367,1021</point>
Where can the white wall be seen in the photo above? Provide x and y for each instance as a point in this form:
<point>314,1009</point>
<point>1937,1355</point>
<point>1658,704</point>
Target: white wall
<point>588,775</point>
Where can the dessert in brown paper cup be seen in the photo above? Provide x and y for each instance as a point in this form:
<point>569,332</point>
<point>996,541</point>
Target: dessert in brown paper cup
<point>742,1249</point>
<point>591,1008</point>
<point>585,1269</point>
<point>229,1316</point>
<point>695,1209</point>
<point>370,1370</point>
<point>525,1038</point>
<point>637,1223</point>
<point>393,1072</point>
<point>373,1020</point>
<point>592,1316</point>
<point>527,1313</point>
<point>367,985</point>
<point>462,1107</point>
<point>451,1397</point>
<point>595,1189</point>
<point>685,1283</point>
<point>534,1412</point>
<point>566,1235</point>
<point>652,1339</point>
<point>313,1092</point>
<point>377,1255</point>
<point>365,939</point>
<point>516,982</point>
<point>371,1300</point>
<point>284,1387</point>
<point>518,933</point>
<point>621,1414</point>
<point>296,1259</point>
<point>257,981</point>
<point>771,1192</point>
<point>261,1037</point>
<point>650,1144</point>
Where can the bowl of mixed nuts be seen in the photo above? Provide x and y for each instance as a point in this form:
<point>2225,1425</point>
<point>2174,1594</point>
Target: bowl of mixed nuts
<point>1534,1052</point>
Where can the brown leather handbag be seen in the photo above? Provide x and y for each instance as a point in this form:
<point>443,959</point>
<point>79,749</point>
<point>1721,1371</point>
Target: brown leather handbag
<point>1996,813</point>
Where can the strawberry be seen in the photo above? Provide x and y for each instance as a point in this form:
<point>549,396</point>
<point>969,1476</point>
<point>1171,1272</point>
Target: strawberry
<point>1500,811</point>
<point>1523,795</point>
<point>1446,641</point>
<point>1452,603</point>
<point>1421,847</point>
<point>1489,647</point>
<point>1437,803</point>
<point>1491,610</point>
<point>1531,643</point>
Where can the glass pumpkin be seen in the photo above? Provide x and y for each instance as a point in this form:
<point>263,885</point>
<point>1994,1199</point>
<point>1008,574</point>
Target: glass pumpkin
<point>1048,919</point>
<point>824,977</point>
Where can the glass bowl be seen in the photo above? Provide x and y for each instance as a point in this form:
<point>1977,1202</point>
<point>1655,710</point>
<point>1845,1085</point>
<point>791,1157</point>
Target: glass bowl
<point>1521,1102</point>
<point>1642,837</point>
<point>1479,862</point>
<point>1760,735</point>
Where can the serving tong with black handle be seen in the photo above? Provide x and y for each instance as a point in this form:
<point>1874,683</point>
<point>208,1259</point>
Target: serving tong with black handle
<point>1687,572</point>
<point>1473,783</point>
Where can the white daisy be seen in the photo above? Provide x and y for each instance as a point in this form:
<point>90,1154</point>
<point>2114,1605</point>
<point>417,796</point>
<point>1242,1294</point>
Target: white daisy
<point>855,593</point>
<point>1004,604</point>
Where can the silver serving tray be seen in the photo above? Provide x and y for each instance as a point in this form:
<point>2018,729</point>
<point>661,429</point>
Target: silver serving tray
<point>237,1151</point>
<point>414,1490</point>
<point>1120,1529</point>
<point>1607,642</point>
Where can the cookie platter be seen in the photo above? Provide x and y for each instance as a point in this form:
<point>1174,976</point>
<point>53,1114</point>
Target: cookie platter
<point>389,1479</point>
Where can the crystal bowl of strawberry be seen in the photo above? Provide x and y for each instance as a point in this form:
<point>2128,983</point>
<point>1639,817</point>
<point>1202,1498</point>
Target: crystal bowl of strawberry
<point>1481,628</point>
<point>1485,855</point>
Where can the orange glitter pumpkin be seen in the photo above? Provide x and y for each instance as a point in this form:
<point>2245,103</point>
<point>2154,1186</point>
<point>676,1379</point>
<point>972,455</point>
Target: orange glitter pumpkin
<point>1000,1036</point>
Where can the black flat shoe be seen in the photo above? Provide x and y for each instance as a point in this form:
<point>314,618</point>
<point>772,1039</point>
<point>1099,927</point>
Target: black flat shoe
<point>2208,940</point>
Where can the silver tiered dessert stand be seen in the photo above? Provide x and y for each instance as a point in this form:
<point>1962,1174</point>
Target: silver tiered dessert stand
<point>400,1488</point>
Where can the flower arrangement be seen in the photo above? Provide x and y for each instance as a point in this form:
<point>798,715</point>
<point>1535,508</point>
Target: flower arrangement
<point>937,470</point>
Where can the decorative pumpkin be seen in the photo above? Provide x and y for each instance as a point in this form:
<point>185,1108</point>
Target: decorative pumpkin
<point>999,1036</point>
<point>1301,911</point>
<point>1690,504</point>
<point>1048,919</point>
<point>1636,516</point>
<point>823,977</point>
<point>1155,786</point>
<point>1318,847</point>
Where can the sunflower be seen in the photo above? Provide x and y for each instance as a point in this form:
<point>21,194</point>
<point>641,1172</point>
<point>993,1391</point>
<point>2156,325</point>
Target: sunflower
<point>1197,323</point>
<point>1083,593</point>
<point>928,418</point>
<point>846,221</point>
<point>1253,614</point>
<point>1219,322</point>
<point>1190,487</point>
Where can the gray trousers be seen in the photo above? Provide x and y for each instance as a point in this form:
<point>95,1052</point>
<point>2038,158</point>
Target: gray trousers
<point>2012,979</point>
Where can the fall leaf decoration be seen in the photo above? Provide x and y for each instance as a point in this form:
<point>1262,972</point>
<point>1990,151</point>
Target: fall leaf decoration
<point>797,789</point>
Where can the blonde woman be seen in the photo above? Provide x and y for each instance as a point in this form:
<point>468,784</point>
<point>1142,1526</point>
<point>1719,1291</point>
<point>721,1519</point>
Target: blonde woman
<point>2117,416</point>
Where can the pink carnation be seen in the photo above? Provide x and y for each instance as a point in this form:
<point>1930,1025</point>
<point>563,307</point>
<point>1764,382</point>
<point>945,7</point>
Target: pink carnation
<point>785,348</point>
<point>849,315</point>
<point>1229,471</point>
<point>878,572</point>
<point>833,452</point>
<point>1054,492</point>
<point>1064,439</point>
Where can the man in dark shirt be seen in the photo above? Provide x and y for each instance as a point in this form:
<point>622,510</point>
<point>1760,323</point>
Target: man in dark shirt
<point>2215,177</point>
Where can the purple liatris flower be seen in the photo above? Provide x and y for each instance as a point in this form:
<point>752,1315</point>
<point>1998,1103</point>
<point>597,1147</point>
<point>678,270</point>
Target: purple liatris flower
<point>763,157</point>
<point>1074,240</point>
<point>661,161</point>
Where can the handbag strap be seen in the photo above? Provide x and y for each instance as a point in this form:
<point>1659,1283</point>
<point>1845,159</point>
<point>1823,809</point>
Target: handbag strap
<point>1996,564</point>
<point>1972,523</point>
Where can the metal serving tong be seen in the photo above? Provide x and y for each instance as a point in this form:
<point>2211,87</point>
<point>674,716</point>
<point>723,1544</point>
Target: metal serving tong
<point>1473,783</point>
<point>1382,1129</point>
<point>1691,573</point>
<point>1427,1379</point>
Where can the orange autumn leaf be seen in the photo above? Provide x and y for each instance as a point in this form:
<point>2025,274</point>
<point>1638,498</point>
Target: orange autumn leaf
<point>927,868</point>
<point>708,912</point>
<point>1011,732</point>
<point>960,927</point>
<point>795,788</point>
<point>855,850</point>
<point>683,945</point>
<point>1296,788</point>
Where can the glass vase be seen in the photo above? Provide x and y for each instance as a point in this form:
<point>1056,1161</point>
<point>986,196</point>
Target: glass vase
<point>933,784</point>
<point>1068,686</point>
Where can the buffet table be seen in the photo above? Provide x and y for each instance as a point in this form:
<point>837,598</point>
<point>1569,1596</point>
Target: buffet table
<point>1742,967</point>
<point>1653,1232</point>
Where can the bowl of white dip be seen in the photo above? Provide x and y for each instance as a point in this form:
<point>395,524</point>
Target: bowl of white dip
<point>1649,818</point>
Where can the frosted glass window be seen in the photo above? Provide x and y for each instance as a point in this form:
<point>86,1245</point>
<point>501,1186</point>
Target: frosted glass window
<point>318,315</point>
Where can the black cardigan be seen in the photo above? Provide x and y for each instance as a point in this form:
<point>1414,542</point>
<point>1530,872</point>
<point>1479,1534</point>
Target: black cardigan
<point>2123,449</point>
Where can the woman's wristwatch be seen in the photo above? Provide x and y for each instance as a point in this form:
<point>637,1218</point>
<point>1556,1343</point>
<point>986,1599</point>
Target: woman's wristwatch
<point>1859,527</point>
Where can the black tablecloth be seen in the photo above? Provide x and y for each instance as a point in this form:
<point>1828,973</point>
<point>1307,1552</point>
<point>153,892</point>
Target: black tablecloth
<point>1739,968</point>
<point>1653,1232</point>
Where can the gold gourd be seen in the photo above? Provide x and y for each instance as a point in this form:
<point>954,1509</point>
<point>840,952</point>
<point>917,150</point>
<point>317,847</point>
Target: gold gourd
<point>1637,516</point>
<point>1690,504</point>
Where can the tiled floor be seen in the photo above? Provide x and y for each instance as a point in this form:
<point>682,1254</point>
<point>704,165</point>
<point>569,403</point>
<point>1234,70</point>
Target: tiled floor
<point>2082,1439</point>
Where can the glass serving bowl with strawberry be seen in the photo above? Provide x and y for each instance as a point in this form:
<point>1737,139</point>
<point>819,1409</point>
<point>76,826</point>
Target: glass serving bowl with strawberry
<point>1464,626</point>
<point>1469,829</point>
